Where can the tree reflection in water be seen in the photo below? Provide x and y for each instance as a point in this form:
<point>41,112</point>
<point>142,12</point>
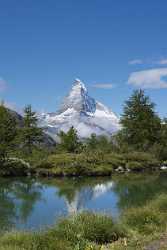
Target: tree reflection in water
<point>131,190</point>
<point>137,189</point>
<point>17,199</point>
<point>79,192</point>
<point>22,200</point>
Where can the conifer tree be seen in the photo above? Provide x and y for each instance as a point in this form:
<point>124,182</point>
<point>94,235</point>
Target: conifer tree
<point>70,141</point>
<point>92,142</point>
<point>8,131</point>
<point>31,134</point>
<point>141,125</point>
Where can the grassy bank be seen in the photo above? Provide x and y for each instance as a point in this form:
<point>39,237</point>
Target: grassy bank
<point>81,164</point>
<point>137,229</point>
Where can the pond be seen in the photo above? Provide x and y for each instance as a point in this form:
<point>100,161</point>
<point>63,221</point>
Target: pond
<point>32,204</point>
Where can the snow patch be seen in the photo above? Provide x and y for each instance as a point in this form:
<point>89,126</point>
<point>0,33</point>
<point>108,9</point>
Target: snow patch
<point>82,112</point>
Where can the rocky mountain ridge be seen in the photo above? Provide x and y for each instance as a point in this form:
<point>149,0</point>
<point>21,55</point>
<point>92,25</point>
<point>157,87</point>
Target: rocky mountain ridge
<point>82,112</point>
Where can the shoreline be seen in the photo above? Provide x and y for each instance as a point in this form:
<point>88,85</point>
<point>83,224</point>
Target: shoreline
<point>78,165</point>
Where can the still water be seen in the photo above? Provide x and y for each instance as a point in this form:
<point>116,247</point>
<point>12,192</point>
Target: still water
<point>32,204</point>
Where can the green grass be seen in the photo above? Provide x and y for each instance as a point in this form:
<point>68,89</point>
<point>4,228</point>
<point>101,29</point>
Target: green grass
<point>92,227</point>
<point>76,232</point>
<point>144,220</point>
<point>96,164</point>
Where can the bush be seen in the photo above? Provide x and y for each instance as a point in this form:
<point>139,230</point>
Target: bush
<point>62,159</point>
<point>78,232</point>
<point>14,167</point>
<point>146,220</point>
<point>134,166</point>
<point>161,204</point>
<point>96,164</point>
<point>90,226</point>
<point>146,160</point>
<point>35,241</point>
<point>138,156</point>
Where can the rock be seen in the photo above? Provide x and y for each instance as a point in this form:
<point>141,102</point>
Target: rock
<point>163,167</point>
<point>120,169</point>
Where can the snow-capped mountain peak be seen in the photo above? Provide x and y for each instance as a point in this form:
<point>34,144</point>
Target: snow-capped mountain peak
<point>79,83</point>
<point>82,112</point>
<point>78,99</point>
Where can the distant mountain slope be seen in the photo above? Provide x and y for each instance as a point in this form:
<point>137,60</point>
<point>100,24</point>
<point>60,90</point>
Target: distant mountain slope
<point>47,141</point>
<point>82,112</point>
<point>16,116</point>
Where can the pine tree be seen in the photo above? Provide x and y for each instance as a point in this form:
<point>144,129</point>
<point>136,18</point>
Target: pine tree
<point>31,134</point>
<point>92,142</point>
<point>141,125</point>
<point>8,131</point>
<point>70,141</point>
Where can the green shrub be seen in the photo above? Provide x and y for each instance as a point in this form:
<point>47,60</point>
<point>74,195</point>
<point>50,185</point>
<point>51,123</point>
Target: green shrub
<point>138,156</point>
<point>90,226</point>
<point>33,241</point>
<point>14,167</point>
<point>140,159</point>
<point>46,164</point>
<point>101,170</point>
<point>161,204</point>
<point>96,164</point>
<point>134,166</point>
<point>76,232</point>
<point>146,220</point>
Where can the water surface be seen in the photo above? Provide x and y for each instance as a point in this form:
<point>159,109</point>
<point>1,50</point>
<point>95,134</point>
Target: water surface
<point>31,204</point>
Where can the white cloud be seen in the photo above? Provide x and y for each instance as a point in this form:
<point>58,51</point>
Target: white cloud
<point>13,106</point>
<point>148,61</point>
<point>149,79</point>
<point>162,62</point>
<point>3,85</point>
<point>135,61</point>
<point>103,86</point>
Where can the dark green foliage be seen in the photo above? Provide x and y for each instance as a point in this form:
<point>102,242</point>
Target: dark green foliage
<point>98,143</point>
<point>138,161</point>
<point>135,166</point>
<point>70,141</point>
<point>14,167</point>
<point>159,149</point>
<point>141,125</point>
<point>7,131</point>
<point>120,143</point>
<point>145,219</point>
<point>96,164</point>
<point>92,142</point>
<point>30,133</point>
<point>142,131</point>
<point>148,219</point>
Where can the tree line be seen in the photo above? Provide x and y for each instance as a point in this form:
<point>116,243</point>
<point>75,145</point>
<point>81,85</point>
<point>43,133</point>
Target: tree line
<point>15,136</point>
<point>141,130</point>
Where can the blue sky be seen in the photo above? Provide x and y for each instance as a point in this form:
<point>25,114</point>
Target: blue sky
<point>45,45</point>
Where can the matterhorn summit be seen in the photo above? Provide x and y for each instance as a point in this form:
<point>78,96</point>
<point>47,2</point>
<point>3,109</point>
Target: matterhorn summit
<point>82,112</point>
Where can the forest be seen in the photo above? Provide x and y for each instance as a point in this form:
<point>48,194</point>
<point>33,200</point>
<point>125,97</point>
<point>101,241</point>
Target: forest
<point>140,145</point>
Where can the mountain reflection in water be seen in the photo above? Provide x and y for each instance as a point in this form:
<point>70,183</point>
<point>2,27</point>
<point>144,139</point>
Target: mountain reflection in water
<point>87,194</point>
<point>27,203</point>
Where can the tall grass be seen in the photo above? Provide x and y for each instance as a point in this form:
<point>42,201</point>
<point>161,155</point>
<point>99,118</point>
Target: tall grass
<point>76,232</point>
